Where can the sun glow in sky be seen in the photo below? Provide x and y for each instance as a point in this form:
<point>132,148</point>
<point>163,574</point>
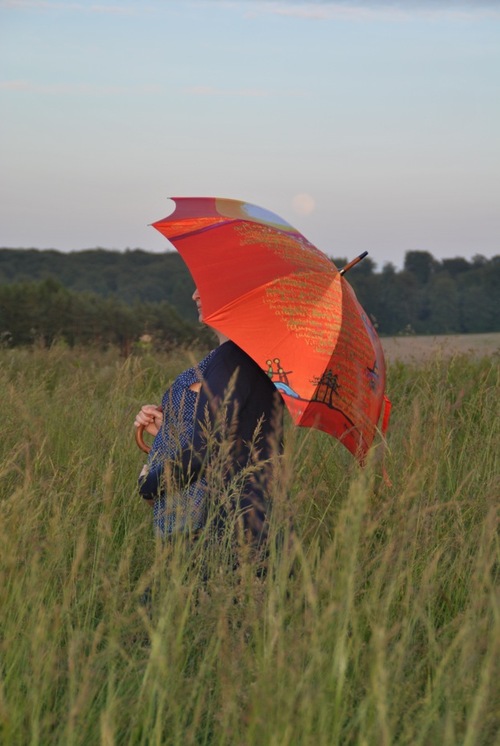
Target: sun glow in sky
<point>367,125</point>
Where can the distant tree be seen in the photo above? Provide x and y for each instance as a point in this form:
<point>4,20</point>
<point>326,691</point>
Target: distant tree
<point>130,276</point>
<point>34,311</point>
<point>454,266</point>
<point>443,305</point>
<point>397,305</point>
<point>421,264</point>
<point>476,314</point>
<point>479,291</point>
<point>388,270</point>
<point>366,285</point>
<point>478,261</point>
<point>46,311</point>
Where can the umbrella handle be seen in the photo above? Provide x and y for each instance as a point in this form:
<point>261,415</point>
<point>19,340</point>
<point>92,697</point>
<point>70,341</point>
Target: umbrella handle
<point>139,436</point>
<point>139,439</point>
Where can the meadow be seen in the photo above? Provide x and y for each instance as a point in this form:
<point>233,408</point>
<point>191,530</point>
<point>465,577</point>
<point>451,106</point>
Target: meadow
<point>378,621</point>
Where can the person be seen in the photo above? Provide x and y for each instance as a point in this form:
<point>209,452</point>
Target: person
<point>226,399</point>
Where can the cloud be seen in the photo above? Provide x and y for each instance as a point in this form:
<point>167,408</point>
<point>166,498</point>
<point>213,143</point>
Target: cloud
<point>116,9</point>
<point>211,91</point>
<point>404,3</point>
<point>80,89</point>
<point>363,10</point>
<point>14,85</point>
<point>317,11</point>
<point>148,89</point>
<point>350,10</point>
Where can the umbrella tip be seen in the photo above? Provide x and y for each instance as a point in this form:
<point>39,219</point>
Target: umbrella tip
<point>352,263</point>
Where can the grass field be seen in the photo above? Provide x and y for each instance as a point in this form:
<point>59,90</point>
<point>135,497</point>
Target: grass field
<point>378,621</point>
<point>415,349</point>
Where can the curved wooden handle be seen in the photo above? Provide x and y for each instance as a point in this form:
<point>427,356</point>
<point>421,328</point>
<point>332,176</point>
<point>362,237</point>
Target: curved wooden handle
<point>140,440</point>
<point>139,436</point>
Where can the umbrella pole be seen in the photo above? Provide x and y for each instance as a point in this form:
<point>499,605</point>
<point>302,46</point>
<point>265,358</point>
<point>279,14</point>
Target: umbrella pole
<point>352,263</point>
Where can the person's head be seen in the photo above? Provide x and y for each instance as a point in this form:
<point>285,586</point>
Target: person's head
<point>197,300</point>
<point>196,297</point>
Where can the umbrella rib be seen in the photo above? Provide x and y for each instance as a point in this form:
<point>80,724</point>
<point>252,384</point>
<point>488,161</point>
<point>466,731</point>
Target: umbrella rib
<point>202,230</point>
<point>237,300</point>
<point>220,224</point>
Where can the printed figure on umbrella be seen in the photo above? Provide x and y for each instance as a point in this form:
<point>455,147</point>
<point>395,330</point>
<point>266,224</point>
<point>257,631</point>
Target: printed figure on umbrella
<point>279,377</point>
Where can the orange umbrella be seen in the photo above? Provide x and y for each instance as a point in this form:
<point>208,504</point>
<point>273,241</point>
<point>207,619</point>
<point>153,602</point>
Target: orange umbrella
<point>266,287</point>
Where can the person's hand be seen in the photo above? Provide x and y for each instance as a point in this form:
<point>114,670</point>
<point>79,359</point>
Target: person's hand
<point>150,417</point>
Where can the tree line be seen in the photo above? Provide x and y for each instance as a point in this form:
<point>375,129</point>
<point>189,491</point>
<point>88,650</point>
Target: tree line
<point>44,311</point>
<point>451,296</point>
<point>113,298</point>
<point>133,276</point>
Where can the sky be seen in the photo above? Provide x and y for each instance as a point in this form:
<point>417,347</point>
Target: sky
<point>369,126</point>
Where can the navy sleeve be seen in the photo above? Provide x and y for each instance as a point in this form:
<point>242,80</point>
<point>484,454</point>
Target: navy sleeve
<point>229,366</point>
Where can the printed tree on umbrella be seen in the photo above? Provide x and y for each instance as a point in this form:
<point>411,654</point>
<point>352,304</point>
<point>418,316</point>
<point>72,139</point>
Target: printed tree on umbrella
<point>326,386</point>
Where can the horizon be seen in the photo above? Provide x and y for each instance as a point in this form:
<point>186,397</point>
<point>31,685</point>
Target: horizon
<point>377,267</point>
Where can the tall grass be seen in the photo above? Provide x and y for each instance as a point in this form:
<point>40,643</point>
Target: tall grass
<point>378,621</point>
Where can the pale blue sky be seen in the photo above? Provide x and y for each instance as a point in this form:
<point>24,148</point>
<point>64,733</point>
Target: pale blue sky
<point>367,125</point>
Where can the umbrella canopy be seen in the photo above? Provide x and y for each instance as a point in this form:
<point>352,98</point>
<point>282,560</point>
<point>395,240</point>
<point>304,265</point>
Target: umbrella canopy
<point>266,287</point>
